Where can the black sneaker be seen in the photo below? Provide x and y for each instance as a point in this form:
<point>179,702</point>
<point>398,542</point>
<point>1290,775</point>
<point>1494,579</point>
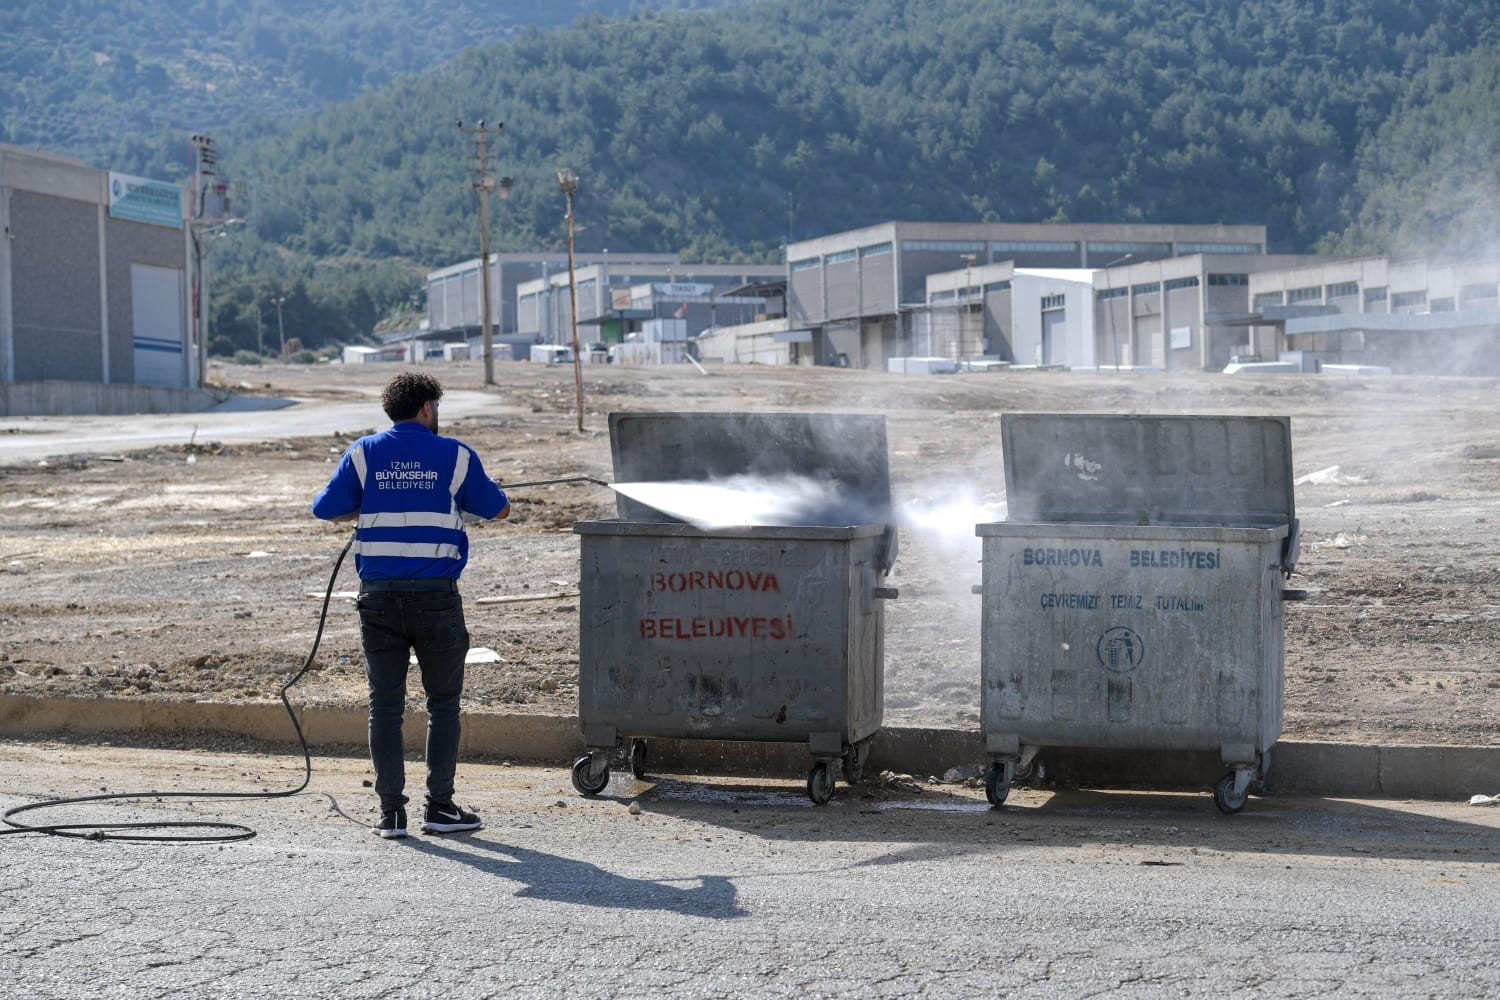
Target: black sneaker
<point>392,824</point>
<point>447,817</point>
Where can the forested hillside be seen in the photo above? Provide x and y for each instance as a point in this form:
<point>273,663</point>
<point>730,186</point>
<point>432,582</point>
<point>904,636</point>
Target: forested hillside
<point>1366,125</point>
<point>123,82</point>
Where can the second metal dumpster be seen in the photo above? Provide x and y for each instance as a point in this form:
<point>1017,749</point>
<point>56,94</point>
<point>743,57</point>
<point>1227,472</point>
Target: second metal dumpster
<point>1133,598</point>
<point>766,632</point>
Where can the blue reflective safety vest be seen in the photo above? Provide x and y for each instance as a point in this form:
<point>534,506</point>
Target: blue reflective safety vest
<point>413,490</point>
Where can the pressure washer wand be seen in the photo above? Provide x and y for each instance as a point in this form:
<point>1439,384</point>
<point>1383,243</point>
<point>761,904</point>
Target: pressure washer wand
<point>554,482</point>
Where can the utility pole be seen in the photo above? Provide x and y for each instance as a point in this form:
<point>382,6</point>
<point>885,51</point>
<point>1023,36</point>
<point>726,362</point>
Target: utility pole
<point>569,183</point>
<point>483,182</point>
<point>280,330</point>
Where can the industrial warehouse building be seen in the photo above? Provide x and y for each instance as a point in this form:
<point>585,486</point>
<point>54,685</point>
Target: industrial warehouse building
<point>94,300</point>
<point>617,298</point>
<point>1182,314</point>
<point>1411,315</point>
<point>1202,311</point>
<point>531,302</point>
<point>857,294</point>
<point>455,304</point>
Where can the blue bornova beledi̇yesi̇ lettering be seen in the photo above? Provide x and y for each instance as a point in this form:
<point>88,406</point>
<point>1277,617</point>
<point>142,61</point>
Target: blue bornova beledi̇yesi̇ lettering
<point>1060,557</point>
<point>1174,559</point>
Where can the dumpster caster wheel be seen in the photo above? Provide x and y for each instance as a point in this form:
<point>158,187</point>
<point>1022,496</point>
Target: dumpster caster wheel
<point>1225,798</point>
<point>582,781</point>
<point>638,759</point>
<point>854,763</point>
<point>997,784</point>
<point>820,783</point>
<point>1036,775</point>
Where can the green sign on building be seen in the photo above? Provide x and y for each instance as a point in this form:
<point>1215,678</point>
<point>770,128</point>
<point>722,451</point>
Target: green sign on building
<point>140,199</point>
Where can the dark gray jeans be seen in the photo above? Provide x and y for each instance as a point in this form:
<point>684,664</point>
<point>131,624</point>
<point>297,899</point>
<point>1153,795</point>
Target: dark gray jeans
<point>392,625</point>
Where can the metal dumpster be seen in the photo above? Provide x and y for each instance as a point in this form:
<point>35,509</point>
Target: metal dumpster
<point>764,632</point>
<point>1132,599</point>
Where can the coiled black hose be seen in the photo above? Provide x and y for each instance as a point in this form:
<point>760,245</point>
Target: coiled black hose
<point>228,831</point>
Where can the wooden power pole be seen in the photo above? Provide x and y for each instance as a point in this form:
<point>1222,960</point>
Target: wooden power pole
<point>482,180</point>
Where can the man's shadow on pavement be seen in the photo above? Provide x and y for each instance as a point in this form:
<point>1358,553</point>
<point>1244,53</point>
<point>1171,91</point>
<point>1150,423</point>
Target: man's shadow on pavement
<point>564,880</point>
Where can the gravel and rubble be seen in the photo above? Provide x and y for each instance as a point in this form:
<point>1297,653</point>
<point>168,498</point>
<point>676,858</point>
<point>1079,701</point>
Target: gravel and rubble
<point>186,571</point>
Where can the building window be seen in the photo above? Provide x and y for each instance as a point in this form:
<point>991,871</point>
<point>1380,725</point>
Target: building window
<point>803,265</point>
<point>1228,280</point>
<point>1310,294</point>
<point>843,256</point>
<point>1111,293</point>
<point>1443,305</point>
<point>1267,299</point>
<point>1186,248</point>
<point>1053,301</point>
<point>942,246</point>
<point>945,296</point>
<point>1149,288</point>
<point>1177,283</point>
<point>1032,246</point>
<point>1132,248</point>
<point>997,286</point>
<point>1470,294</point>
<point>1374,296</point>
<point>1408,300</point>
<point>1342,290</point>
<point>876,250</point>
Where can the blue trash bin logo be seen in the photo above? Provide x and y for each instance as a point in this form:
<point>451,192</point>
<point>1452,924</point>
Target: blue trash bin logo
<point>1120,650</point>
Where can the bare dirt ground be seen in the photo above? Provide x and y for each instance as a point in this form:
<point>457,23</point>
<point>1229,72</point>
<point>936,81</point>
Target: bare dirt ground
<point>187,571</point>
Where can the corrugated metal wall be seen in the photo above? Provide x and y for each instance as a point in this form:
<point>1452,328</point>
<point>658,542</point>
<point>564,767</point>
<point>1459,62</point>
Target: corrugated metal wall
<point>55,288</point>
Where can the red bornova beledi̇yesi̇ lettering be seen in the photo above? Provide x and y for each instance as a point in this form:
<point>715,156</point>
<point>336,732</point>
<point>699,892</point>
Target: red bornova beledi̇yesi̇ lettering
<point>717,627</point>
<point>715,579</point>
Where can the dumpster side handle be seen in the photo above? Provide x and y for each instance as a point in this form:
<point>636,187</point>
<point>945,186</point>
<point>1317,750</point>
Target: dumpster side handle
<point>1291,548</point>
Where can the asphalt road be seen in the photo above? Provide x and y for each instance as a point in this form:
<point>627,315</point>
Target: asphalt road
<point>735,888</point>
<point>240,419</point>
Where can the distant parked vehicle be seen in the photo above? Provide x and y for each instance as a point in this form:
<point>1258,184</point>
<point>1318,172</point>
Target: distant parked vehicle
<point>1354,370</point>
<point>1262,368</point>
<point>552,354</point>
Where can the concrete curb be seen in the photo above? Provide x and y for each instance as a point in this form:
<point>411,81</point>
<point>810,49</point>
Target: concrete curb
<point>1421,772</point>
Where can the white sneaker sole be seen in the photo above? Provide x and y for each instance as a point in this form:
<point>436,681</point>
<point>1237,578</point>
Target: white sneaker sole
<point>450,827</point>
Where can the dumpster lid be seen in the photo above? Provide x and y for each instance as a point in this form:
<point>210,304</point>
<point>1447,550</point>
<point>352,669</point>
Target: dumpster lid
<point>1232,471</point>
<point>846,451</point>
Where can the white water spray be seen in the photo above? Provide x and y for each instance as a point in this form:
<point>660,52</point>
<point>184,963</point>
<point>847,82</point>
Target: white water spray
<point>948,520</point>
<point>742,501</point>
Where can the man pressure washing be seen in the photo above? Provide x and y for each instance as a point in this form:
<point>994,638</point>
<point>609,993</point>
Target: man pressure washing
<point>412,490</point>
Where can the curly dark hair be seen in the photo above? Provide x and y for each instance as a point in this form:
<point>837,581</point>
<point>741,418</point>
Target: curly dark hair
<point>404,395</point>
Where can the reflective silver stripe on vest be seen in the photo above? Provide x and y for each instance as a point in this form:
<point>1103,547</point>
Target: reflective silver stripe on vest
<point>460,471</point>
<point>357,456</point>
<point>411,519</point>
<point>407,550</point>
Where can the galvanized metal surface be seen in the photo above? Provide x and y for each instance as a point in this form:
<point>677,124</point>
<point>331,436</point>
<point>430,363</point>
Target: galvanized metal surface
<point>1132,637</point>
<point>1134,599</point>
<point>845,450</point>
<point>1129,469</point>
<point>771,634</point>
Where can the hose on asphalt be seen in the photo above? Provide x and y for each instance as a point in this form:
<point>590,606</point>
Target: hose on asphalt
<point>223,831</point>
